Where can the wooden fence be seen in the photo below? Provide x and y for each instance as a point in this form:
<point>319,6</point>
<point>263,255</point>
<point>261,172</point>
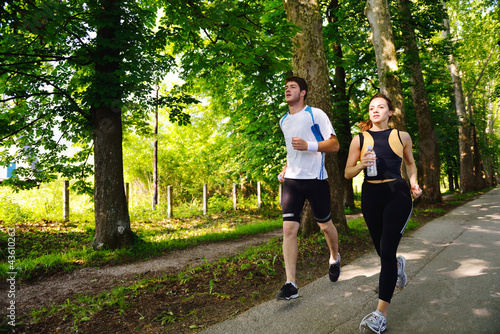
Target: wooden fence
<point>66,201</point>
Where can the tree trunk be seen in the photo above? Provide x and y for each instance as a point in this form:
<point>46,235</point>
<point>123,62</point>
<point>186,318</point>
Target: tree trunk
<point>377,12</point>
<point>111,212</point>
<point>341,108</point>
<point>309,62</point>
<point>451,184</point>
<point>491,159</point>
<point>479,174</point>
<point>428,156</point>
<point>154,201</point>
<point>464,129</point>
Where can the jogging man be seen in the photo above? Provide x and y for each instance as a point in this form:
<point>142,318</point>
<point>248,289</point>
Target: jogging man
<point>309,134</point>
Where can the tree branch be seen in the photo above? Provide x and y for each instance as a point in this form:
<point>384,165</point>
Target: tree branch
<point>482,72</point>
<point>28,96</point>
<point>62,92</point>
<point>24,127</point>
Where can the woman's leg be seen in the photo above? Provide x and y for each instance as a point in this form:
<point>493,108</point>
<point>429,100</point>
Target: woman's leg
<point>395,217</point>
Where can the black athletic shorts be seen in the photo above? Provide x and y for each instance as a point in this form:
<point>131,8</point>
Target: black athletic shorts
<point>295,193</point>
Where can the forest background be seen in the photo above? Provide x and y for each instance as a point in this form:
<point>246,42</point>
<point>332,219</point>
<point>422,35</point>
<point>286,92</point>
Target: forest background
<point>188,93</point>
<point>96,76</point>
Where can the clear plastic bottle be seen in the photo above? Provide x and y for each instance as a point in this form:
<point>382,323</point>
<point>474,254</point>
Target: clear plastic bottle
<point>371,170</point>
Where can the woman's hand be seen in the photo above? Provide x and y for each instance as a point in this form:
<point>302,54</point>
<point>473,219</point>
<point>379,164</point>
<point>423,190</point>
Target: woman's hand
<point>416,191</point>
<point>367,161</point>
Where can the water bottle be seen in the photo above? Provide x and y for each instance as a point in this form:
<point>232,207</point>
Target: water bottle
<point>371,170</point>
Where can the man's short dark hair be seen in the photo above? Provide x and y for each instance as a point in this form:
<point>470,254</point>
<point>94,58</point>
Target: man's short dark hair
<point>301,82</point>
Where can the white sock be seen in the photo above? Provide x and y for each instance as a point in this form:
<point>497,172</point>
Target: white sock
<point>334,262</point>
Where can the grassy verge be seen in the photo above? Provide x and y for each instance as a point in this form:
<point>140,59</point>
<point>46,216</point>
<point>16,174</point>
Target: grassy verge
<point>48,247</point>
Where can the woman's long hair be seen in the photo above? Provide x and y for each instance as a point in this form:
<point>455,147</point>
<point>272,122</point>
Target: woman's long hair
<point>367,125</point>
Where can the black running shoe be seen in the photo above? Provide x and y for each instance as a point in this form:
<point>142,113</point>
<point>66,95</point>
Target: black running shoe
<point>287,292</point>
<point>334,271</point>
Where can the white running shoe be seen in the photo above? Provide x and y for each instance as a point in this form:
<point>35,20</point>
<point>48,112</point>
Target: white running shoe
<point>375,321</point>
<point>402,279</point>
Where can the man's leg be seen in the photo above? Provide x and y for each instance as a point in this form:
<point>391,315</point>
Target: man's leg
<point>332,239</point>
<point>292,203</point>
<point>290,248</point>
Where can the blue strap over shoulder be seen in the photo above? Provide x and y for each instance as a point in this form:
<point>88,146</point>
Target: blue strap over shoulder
<point>314,128</point>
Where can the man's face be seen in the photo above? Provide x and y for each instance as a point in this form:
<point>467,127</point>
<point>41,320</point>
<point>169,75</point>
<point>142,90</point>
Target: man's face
<point>293,92</point>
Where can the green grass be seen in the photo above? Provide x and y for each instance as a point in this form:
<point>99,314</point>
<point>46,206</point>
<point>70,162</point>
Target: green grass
<point>82,307</point>
<point>45,247</point>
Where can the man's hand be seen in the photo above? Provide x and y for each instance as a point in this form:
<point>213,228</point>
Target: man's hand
<point>281,177</point>
<point>299,144</point>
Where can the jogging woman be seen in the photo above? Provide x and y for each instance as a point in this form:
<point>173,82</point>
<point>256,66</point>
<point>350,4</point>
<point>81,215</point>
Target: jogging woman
<point>386,201</point>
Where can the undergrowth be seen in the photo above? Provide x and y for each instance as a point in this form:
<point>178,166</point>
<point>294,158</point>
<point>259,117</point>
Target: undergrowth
<point>48,247</point>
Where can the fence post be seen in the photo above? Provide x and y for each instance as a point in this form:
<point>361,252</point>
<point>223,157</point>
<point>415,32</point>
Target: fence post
<point>234,197</point>
<point>280,193</point>
<point>204,199</point>
<point>259,198</point>
<point>127,193</point>
<point>65,200</point>
<point>169,201</point>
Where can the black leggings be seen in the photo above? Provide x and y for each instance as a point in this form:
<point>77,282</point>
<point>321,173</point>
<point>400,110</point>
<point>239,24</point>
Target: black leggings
<point>386,207</point>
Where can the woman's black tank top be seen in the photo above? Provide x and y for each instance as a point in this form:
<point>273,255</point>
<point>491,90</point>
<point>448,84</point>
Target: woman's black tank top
<point>388,148</point>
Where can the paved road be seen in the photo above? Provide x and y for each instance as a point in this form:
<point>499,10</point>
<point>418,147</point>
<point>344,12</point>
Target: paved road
<point>453,266</point>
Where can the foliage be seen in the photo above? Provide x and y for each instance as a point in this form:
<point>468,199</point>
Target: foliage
<point>232,57</point>
<point>50,83</point>
<point>235,54</point>
<point>42,204</point>
<point>474,28</point>
<point>352,31</point>
<point>199,149</point>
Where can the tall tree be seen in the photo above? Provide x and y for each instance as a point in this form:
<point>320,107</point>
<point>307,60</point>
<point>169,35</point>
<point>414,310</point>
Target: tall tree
<point>428,154</point>
<point>464,125</point>
<point>111,212</point>
<point>75,68</point>
<point>377,12</point>
<point>309,62</point>
<point>340,102</point>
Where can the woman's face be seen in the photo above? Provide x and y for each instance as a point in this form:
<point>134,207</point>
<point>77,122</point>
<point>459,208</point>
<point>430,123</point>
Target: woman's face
<point>379,110</point>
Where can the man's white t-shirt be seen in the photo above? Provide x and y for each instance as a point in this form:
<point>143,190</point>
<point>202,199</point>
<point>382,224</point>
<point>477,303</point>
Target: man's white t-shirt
<point>305,164</point>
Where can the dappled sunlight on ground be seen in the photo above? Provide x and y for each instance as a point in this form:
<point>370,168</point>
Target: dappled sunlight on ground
<point>481,229</point>
<point>478,246</point>
<point>355,271</point>
<point>470,267</point>
<point>414,255</point>
<point>482,313</point>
